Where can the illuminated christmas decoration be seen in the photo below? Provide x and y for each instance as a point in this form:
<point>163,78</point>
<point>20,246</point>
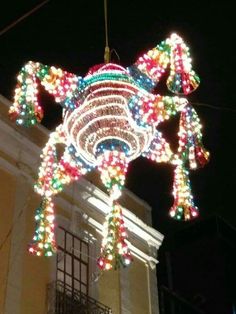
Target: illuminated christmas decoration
<point>115,251</point>
<point>43,240</point>
<point>110,118</point>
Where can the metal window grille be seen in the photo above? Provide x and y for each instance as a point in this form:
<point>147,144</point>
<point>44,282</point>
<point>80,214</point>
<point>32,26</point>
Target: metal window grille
<point>65,301</point>
<point>69,293</point>
<point>73,261</point>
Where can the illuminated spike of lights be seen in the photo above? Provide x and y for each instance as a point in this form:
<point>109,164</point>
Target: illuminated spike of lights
<point>110,118</point>
<point>43,241</point>
<point>190,139</point>
<point>150,67</point>
<point>113,167</point>
<point>183,207</point>
<point>44,185</point>
<point>114,251</point>
<point>60,84</point>
<point>182,78</point>
<point>54,173</point>
<point>26,109</point>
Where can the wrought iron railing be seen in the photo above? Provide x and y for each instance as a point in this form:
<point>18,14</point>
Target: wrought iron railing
<point>171,303</point>
<point>62,299</point>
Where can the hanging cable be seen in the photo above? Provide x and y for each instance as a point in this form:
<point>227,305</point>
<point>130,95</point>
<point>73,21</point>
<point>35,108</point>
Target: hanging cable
<point>7,28</point>
<point>213,107</point>
<point>116,53</point>
<point>107,49</point>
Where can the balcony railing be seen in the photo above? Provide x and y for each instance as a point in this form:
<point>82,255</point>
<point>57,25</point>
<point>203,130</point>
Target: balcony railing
<point>62,299</point>
<point>171,303</point>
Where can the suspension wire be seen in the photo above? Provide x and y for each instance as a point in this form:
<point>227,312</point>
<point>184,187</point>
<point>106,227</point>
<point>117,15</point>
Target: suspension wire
<point>116,53</point>
<point>107,49</point>
<point>213,107</point>
<point>7,28</point>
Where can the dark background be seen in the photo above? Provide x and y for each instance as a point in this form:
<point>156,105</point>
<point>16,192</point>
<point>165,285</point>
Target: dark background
<point>70,34</point>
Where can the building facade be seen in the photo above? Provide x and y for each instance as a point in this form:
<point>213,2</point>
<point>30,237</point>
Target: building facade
<point>70,281</point>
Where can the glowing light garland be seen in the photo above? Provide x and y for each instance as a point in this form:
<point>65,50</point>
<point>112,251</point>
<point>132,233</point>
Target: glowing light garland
<point>109,119</point>
<point>114,251</point>
<point>43,241</point>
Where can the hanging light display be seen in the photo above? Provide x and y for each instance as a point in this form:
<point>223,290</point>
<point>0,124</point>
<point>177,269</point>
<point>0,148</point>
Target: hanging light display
<point>43,241</point>
<point>110,117</point>
<point>114,251</point>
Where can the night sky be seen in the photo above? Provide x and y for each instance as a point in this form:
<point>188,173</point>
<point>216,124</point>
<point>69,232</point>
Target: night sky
<point>70,34</point>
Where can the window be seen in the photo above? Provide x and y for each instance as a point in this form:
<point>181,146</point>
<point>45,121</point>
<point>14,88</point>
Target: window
<point>72,262</point>
<point>69,293</point>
